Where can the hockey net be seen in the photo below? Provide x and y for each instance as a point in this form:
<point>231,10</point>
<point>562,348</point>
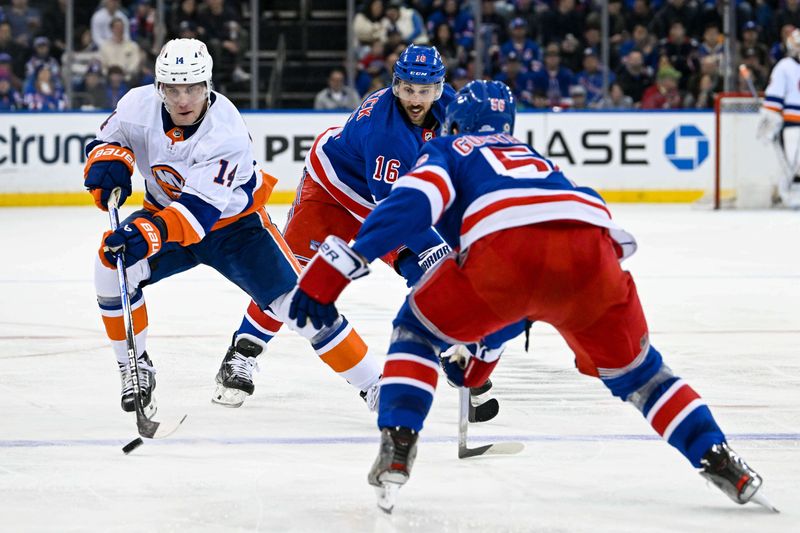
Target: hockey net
<point>746,169</point>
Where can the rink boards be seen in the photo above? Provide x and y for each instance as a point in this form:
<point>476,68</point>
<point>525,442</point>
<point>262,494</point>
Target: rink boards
<point>629,156</point>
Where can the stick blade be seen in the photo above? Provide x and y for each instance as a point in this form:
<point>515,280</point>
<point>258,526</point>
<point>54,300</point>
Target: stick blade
<point>498,448</point>
<point>151,429</point>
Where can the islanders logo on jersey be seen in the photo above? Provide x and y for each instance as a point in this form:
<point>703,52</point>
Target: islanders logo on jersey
<point>169,179</point>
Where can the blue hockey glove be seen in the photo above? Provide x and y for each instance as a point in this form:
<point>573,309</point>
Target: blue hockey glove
<point>470,366</point>
<point>136,240</point>
<point>333,267</point>
<point>412,266</point>
<point>108,166</point>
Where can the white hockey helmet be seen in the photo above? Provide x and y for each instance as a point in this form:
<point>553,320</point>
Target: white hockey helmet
<point>184,61</point>
<point>793,43</point>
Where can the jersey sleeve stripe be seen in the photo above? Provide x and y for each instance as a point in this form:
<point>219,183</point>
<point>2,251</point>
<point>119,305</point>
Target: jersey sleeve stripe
<point>431,192</point>
<point>321,170</point>
<point>182,226</point>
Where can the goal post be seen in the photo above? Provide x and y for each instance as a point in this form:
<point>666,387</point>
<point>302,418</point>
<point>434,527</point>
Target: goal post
<point>746,169</point>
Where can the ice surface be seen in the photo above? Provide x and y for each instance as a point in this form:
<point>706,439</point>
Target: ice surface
<point>721,291</point>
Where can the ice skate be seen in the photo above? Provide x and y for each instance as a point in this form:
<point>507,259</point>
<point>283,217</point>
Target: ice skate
<point>147,384</point>
<point>393,465</point>
<point>235,376</point>
<point>372,396</point>
<point>725,469</point>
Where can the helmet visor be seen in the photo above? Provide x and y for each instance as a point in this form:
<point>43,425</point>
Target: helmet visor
<point>415,92</point>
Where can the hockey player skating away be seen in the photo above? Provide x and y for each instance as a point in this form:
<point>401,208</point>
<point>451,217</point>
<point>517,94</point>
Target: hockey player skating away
<point>780,119</point>
<point>204,204</point>
<point>348,171</point>
<point>531,245</point>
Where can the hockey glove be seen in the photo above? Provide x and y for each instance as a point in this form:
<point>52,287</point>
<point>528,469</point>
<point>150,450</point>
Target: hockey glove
<point>333,267</point>
<point>136,240</point>
<point>471,366</point>
<point>109,166</point>
<point>769,125</point>
<point>412,266</point>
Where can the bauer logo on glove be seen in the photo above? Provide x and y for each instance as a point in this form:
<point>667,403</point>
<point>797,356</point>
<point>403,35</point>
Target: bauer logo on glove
<point>136,240</point>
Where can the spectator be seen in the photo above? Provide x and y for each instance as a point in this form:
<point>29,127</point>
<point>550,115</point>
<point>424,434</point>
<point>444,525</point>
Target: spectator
<point>540,100</point>
<point>616,99</point>
<point>562,21</point>
<point>182,11</point>
<point>222,34</point>
<point>551,78</point>
<point>459,21</point>
<point>10,99</point>
<point>25,21</point>
<point>788,15</point>
<point>516,78</point>
<point>121,51</point>
<point>84,56</point>
<point>459,78</point>
<point>337,95</point>
<point>366,78</point>
<point>530,13</point>
<point>640,14</point>
<point>101,21</point>
<point>452,54</point>
<point>187,30</point>
<point>45,92</point>
<point>643,41</point>
<point>143,24</point>
<point>92,92</point>
<point>407,21</point>
<point>591,77</point>
<point>758,71</point>
<point>664,93</point>
<point>671,12</point>
<point>577,97</point>
<point>681,51</point>
<point>750,41</point>
<point>778,50</point>
<point>41,57</point>
<point>704,84</point>
<point>54,23</point>
<point>370,25</point>
<point>15,51</point>
<point>616,23</point>
<point>712,44</point>
<point>116,85</point>
<point>525,48</point>
<point>634,76</point>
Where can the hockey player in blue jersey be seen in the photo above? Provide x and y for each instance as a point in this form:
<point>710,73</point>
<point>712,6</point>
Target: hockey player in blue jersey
<point>348,171</point>
<point>530,245</point>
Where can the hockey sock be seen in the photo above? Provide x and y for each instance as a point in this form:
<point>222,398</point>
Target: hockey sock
<point>111,312</point>
<point>670,405</point>
<point>258,326</point>
<point>408,384</point>
<point>342,348</point>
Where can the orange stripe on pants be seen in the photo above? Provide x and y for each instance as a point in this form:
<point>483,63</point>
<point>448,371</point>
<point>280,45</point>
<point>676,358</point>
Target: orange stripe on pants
<point>115,325</point>
<point>347,354</point>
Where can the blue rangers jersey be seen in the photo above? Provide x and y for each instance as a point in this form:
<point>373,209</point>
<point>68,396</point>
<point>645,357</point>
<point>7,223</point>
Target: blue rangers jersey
<point>470,186</point>
<point>359,163</point>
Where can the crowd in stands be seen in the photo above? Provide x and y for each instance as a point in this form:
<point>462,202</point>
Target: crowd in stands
<point>664,54</point>
<point>114,49</point>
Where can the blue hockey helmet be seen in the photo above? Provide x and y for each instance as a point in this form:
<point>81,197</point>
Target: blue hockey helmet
<point>419,65</point>
<point>481,106</point>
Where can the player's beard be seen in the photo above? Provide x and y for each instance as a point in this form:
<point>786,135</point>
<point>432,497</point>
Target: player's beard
<point>416,112</point>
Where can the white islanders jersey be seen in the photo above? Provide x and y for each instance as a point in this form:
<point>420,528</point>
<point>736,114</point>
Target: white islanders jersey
<point>783,92</point>
<point>199,177</point>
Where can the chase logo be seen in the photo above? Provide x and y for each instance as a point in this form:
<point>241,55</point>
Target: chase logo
<point>686,147</point>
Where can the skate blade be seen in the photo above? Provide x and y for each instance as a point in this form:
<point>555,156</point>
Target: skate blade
<point>228,397</point>
<point>762,500</point>
<point>387,495</point>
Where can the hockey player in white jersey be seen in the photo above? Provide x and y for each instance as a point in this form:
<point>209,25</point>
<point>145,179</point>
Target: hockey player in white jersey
<point>780,119</point>
<point>204,204</point>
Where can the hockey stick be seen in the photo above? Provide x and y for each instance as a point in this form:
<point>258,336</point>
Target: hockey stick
<point>147,428</point>
<point>498,448</point>
<point>787,169</point>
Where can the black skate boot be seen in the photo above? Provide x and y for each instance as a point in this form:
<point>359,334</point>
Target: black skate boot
<point>724,468</point>
<point>147,384</point>
<point>235,376</point>
<point>393,465</point>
